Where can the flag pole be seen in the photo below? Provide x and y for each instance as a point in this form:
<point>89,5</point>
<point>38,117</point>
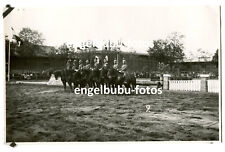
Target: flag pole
<point>117,57</point>
<point>9,56</point>
<point>117,53</point>
<point>9,63</point>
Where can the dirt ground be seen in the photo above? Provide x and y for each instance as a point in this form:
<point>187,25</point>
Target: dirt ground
<point>39,113</point>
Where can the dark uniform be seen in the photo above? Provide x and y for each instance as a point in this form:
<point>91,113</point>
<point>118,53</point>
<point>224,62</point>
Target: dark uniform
<point>69,65</point>
<point>87,66</point>
<point>80,65</point>
<point>74,67</point>
<point>96,64</point>
<point>123,68</point>
<point>115,65</point>
<point>105,65</point>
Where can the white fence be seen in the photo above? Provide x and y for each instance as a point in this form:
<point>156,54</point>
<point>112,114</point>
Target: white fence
<point>185,85</point>
<point>213,86</point>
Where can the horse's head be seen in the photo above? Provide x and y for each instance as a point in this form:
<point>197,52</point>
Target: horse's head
<point>57,74</point>
<point>47,73</point>
<point>50,71</point>
<point>112,73</point>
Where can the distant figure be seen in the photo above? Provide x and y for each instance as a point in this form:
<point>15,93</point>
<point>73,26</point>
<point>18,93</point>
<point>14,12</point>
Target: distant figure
<point>87,66</point>
<point>80,65</point>
<point>69,64</point>
<point>124,66</point>
<point>75,66</point>
<point>105,63</point>
<point>115,65</point>
<point>96,63</point>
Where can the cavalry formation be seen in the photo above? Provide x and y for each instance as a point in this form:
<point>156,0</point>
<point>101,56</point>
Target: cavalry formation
<point>78,75</point>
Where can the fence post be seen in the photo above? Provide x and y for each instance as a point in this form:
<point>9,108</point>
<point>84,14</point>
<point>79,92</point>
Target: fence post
<point>161,79</point>
<point>166,78</point>
<point>203,85</point>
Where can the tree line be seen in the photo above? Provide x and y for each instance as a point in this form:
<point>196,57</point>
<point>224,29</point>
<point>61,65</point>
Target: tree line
<point>164,51</point>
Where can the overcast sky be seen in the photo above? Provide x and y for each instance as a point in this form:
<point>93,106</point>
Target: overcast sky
<point>199,24</point>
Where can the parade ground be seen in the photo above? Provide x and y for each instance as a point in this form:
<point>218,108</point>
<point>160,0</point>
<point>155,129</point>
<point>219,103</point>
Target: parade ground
<point>41,113</point>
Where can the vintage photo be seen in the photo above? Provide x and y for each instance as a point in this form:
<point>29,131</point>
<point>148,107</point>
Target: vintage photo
<point>112,73</point>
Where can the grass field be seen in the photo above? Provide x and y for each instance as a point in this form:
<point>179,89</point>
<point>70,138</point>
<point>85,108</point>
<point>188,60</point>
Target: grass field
<point>43,113</point>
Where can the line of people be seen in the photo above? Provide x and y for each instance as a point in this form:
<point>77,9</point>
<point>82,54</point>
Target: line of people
<point>73,66</point>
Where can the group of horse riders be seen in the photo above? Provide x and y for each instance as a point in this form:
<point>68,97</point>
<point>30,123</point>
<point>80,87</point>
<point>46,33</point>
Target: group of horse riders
<point>77,74</point>
<point>72,65</point>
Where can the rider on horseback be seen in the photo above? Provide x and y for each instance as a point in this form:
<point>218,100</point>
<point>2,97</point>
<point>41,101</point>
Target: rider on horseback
<point>115,65</point>
<point>124,67</point>
<point>80,65</point>
<point>105,64</point>
<point>87,66</point>
<point>96,63</point>
<point>69,65</point>
<point>75,67</point>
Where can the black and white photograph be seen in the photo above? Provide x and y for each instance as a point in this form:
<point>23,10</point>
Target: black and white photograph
<point>112,73</point>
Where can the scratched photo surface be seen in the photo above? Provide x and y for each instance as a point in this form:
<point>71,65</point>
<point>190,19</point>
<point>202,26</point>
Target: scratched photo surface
<point>112,73</point>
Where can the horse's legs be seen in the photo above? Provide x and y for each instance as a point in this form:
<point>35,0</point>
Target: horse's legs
<point>91,83</point>
<point>101,83</point>
<point>70,84</point>
<point>94,84</point>
<point>74,85</point>
<point>112,84</point>
<point>127,85</point>
<point>64,85</point>
<point>107,83</point>
<point>134,85</point>
<point>82,84</point>
<point>97,84</point>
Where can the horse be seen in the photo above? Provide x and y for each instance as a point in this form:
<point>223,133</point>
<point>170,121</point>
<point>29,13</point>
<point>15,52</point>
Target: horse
<point>47,73</point>
<point>112,75</point>
<point>130,80</point>
<point>94,77</point>
<point>117,78</point>
<point>66,77</point>
<point>103,77</point>
<point>77,79</point>
<point>86,77</point>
